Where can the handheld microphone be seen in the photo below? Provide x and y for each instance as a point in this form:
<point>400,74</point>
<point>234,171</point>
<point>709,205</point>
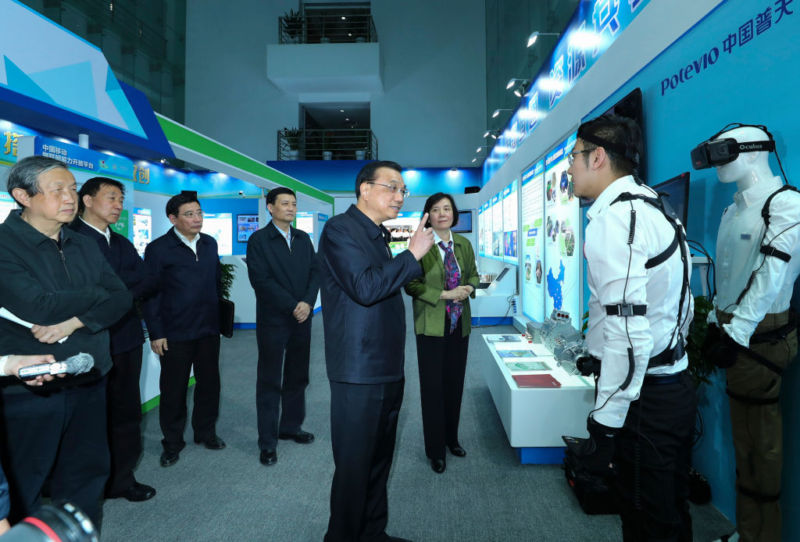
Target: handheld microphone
<point>78,364</point>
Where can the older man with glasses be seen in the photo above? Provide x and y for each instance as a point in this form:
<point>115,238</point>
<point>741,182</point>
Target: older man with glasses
<point>365,334</point>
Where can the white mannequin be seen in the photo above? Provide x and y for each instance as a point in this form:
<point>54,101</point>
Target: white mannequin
<point>749,168</point>
<point>758,460</point>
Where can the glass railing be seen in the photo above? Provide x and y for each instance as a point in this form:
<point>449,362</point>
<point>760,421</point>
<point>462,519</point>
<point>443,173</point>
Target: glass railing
<point>327,28</point>
<point>341,144</point>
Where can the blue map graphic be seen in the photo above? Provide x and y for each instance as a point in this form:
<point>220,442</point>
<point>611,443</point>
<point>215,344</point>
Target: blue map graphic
<point>554,285</point>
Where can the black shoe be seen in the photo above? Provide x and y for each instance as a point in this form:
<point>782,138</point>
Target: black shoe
<point>137,492</point>
<point>268,457</point>
<point>301,437</point>
<point>169,458</point>
<point>438,465</point>
<point>212,443</point>
<point>458,451</point>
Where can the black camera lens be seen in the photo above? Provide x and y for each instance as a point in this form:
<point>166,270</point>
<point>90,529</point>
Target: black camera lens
<point>63,521</point>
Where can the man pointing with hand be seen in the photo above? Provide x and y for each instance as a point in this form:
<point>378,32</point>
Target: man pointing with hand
<point>365,333</point>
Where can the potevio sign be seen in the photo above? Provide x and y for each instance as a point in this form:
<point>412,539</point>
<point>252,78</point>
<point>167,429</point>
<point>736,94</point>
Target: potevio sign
<point>735,39</point>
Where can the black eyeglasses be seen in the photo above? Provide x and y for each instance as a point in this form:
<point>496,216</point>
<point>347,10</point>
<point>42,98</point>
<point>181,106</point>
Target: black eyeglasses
<point>393,188</point>
<point>571,155</point>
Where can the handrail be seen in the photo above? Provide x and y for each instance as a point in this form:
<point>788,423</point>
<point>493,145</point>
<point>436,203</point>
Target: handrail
<point>324,144</point>
<point>327,28</point>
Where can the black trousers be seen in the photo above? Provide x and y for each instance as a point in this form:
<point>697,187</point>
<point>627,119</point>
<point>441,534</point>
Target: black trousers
<point>363,432</point>
<point>176,365</point>
<point>124,419</point>
<point>442,364</point>
<point>283,354</point>
<point>653,453</point>
<point>61,433</point>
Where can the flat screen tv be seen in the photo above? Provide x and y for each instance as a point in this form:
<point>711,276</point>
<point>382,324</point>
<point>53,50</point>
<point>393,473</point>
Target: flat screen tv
<point>675,193</point>
<point>464,222</point>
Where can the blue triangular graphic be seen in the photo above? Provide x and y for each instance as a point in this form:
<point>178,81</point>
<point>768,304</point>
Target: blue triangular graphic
<point>18,81</point>
<point>71,86</point>
<point>120,101</point>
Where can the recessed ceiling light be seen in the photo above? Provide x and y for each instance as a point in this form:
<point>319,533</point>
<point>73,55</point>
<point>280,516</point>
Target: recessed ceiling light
<point>341,111</point>
<point>347,118</point>
<point>344,18</point>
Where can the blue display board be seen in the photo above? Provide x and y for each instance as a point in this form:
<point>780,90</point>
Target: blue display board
<point>496,209</point>
<point>532,241</point>
<point>510,223</point>
<point>562,235</point>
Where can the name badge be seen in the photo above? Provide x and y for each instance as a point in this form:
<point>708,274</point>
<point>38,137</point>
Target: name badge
<point>745,236</point>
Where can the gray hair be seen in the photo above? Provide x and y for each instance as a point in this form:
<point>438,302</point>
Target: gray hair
<point>25,173</point>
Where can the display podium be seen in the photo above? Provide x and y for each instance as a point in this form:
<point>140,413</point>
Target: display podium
<point>534,418</point>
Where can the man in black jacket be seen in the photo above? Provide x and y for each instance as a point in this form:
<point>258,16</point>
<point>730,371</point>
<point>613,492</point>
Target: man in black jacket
<point>365,334</point>
<point>58,281</point>
<point>183,322</point>
<point>282,267</point>
<point>99,205</point>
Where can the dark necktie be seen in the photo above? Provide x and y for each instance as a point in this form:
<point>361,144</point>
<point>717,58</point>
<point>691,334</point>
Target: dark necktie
<point>452,276</point>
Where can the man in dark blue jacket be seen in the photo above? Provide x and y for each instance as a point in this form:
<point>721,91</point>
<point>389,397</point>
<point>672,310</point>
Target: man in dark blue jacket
<point>58,281</point>
<point>365,333</point>
<point>283,271</point>
<point>183,323</point>
<point>99,205</point>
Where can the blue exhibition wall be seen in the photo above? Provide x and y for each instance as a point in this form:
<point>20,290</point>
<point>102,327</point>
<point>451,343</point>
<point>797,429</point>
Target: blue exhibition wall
<point>334,176</point>
<point>738,64</point>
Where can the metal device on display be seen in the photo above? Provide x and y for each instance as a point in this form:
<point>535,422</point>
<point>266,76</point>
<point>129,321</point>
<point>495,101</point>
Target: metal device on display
<point>65,522</point>
<point>564,341</point>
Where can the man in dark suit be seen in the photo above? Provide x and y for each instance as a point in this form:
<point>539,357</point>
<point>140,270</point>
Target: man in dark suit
<point>365,333</point>
<point>282,267</point>
<point>99,205</point>
<point>57,280</point>
<point>183,321</point>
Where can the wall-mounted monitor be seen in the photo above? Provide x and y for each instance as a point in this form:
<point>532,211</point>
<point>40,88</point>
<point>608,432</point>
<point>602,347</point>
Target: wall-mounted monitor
<point>675,194</point>
<point>631,107</point>
<point>246,225</point>
<point>464,222</point>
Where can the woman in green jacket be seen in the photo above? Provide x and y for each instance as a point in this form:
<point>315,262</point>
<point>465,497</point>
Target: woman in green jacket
<point>442,324</point>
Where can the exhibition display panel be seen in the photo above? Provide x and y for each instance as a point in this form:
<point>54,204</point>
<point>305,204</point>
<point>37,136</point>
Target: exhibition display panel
<point>562,235</point>
<point>531,242</point>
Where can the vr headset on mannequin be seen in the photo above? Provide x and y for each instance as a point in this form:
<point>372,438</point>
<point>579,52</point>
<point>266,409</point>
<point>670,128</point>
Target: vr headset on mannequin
<point>718,152</point>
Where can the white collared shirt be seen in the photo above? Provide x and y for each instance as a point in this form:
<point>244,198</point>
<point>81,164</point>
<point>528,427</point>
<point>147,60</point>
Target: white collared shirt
<point>106,233</point>
<point>437,240</point>
<point>286,234</point>
<point>615,273</point>
<point>191,244</point>
<point>738,244</point>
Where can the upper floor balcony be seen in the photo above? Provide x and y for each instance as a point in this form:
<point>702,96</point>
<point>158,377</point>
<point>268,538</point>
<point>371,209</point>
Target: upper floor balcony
<point>326,57</point>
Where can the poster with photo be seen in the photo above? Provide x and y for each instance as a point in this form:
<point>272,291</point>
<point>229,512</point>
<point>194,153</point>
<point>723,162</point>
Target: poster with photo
<point>220,227</point>
<point>497,227</point>
<point>401,229</point>
<point>532,242</point>
<point>142,229</point>
<point>482,230</point>
<point>562,230</point>
<point>510,224</point>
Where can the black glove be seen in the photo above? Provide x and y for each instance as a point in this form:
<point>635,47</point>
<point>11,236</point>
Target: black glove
<point>597,451</point>
<point>722,351</point>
